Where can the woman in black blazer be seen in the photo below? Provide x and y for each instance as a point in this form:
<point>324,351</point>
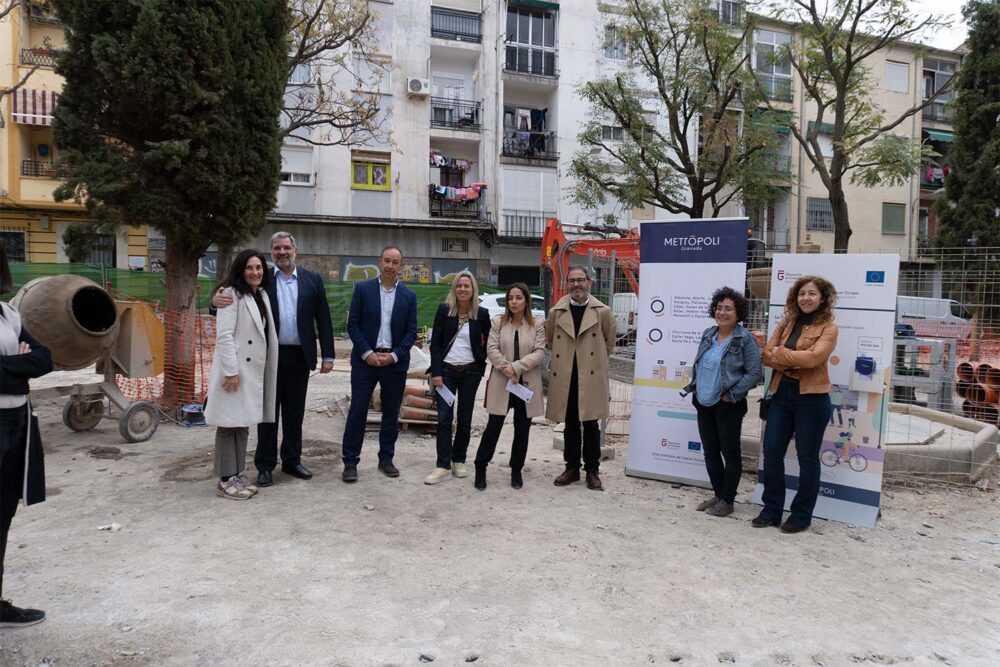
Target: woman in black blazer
<point>458,361</point>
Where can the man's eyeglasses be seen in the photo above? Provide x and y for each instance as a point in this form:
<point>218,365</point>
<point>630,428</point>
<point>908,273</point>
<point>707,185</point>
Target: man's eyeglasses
<point>577,281</point>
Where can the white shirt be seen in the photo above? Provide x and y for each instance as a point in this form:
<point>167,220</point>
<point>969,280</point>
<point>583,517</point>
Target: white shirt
<point>388,299</point>
<point>287,289</point>
<point>10,330</point>
<point>461,350</point>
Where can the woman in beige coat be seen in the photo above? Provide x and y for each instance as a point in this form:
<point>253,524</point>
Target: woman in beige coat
<point>515,349</point>
<point>241,387</point>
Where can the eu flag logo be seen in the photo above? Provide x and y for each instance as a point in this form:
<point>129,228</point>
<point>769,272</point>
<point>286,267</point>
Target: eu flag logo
<point>877,277</point>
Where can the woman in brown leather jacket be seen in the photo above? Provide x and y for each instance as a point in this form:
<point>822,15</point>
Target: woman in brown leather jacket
<point>798,352</point>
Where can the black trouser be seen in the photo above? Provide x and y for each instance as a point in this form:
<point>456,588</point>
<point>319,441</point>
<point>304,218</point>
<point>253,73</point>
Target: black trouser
<point>291,386</point>
<point>522,426</point>
<point>591,442</point>
<point>463,384</point>
<point>719,426</point>
<point>12,435</point>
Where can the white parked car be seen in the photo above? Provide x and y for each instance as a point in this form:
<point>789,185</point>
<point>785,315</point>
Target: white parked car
<point>495,304</point>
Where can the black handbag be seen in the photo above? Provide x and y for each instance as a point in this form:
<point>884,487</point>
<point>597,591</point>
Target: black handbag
<point>765,405</point>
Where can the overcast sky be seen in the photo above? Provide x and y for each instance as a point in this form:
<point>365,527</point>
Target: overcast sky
<point>948,39</point>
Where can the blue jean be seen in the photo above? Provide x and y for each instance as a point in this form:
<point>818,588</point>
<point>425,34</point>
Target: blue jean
<point>805,416</point>
<point>464,385</point>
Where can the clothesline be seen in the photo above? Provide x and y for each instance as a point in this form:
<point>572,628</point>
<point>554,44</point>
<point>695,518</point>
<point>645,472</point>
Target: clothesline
<point>439,160</point>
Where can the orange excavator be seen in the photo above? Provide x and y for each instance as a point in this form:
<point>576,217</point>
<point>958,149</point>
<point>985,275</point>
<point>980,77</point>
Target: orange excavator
<point>557,250</point>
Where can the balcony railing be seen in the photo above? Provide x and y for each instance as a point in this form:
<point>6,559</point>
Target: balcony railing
<point>775,164</point>
<point>442,207</point>
<point>776,87</point>
<point>776,239</point>
<point>525,59</point>
<point>938,111</point>
<point>455,114</point>
<point>526,225</point>
<point>41,57</point>
<point>38,168</point>
<point>460,26</point>
<point>532,145</point>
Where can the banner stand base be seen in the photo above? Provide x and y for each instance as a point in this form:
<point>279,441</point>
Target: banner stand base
<point>686,481</point>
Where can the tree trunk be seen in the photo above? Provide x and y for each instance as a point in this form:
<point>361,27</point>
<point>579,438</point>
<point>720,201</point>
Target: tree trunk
<point>223,257</point>
<point>179,319</point>
<point>841,220</point>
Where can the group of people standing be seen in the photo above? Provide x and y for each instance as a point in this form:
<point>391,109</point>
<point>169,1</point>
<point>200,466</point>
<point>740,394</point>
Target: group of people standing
<point>270,320</point>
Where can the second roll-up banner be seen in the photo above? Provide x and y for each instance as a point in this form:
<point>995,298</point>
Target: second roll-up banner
<point>682,264</point>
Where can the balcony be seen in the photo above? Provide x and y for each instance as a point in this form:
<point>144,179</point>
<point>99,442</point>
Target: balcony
<point>455,114</point>
<point>777,88</point>
<point>937,111</point>
<point>932,177</point>
<point>522,226</point>
<point>530,145</point>
<point>449,205</point>
<point>454,25</point>
<point>776,164</point>
<point>38,168</point>
<point>39,56</point>
<point>537,61</point>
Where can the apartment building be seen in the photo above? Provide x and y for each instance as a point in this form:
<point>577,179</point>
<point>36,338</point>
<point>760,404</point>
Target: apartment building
<point>31,221</point>
<point>885,218</point>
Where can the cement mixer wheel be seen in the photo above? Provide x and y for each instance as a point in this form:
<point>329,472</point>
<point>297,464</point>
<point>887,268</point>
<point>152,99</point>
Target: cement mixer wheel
<point>82,415</point>
<point>139,421</point>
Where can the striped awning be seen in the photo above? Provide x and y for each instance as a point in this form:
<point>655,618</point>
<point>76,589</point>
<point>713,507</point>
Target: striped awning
<point>34,107</point>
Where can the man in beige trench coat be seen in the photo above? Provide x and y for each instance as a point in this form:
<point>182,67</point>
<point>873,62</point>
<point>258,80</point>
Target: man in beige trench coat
<point>580,332</point>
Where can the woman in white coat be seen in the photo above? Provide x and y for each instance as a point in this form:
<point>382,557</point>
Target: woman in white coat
<point>244,371</point>
<point>515,350</point>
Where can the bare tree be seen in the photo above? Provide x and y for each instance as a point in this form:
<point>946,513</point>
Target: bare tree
<point>5,10</point>
<point>836,42</point>
<point>334,74</point>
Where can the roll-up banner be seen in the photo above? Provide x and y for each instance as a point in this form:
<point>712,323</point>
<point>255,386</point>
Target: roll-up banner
<point>681,265</point>
<point>853,448</point>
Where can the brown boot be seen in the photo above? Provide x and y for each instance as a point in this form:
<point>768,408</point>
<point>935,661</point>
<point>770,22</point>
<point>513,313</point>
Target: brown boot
<point>568,476</point>
<point>594,481</point>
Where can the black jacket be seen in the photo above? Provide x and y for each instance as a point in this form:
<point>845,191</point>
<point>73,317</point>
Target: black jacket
<point>15,371</point>
<point>446,327</point>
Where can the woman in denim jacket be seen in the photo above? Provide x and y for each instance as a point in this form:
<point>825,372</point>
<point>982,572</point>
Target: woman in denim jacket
<point>726,367</point>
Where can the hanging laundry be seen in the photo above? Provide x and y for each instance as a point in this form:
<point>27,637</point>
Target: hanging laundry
<point>538,119</point>
<point>523,119</point>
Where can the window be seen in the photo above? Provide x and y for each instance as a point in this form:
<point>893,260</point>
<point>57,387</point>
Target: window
<point>774,69</point>
<point>614,43</point>
<point>15,242</point>
<point>370,171</point>
<point>730,12</point>
<point>897,77</point>
<point>937,74</point>
<point>819,214</point>
<point>103,252</point>
<point>612,133</point>
<point>454,244</point>
<point>295,178</point>
<point>893,218</point>
<point>296,166</point>
<point>452,177</point>
<point>531,41</point>
<point>301,75</point>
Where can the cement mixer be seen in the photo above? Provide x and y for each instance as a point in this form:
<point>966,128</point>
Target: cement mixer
<point>81,324</point>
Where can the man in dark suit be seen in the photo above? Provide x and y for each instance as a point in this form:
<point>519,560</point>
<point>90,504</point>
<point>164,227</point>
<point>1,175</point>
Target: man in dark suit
<point>298,302</point>
<point>382,324</point>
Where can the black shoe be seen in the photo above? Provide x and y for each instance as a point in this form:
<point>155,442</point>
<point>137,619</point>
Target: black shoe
<point>388,469</point>
<point>15,617</point>
<point>297,470</point>
<point>762,522</point>
<point>265,478</point>
<point>350,473</point>
<point>789,527</point>
<point>515,479</point>
<point>480,478</point>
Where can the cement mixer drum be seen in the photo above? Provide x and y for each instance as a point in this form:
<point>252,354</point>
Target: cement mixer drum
<point>71,315</point>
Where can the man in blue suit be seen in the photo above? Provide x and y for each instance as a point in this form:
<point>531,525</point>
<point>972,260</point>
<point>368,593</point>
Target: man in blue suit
<point>382,323</point>
<point>300,309</point>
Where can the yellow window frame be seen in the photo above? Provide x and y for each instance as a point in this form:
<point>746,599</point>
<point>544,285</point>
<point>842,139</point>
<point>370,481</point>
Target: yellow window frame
<point>370,184</point>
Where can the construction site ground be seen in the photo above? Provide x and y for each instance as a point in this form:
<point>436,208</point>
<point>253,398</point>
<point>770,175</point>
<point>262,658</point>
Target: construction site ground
<point>395,572</point>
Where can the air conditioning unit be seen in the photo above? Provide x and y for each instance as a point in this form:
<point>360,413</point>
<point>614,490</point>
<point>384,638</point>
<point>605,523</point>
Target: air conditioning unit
<point>418,87</point>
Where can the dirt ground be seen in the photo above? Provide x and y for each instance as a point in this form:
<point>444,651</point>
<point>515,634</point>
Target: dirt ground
<point>393,572</point>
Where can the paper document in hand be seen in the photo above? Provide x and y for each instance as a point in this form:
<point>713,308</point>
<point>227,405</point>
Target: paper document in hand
<point>446,395</point>
<point>520,391</point>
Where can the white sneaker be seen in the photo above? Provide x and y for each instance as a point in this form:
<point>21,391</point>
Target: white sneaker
<point>439,475</point>
<point>243,482</point>
<point>458,470</point>
<point>232,490</point>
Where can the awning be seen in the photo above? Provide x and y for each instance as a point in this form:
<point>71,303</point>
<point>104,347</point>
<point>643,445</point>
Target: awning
<point>937,135</point>
<point>539,4</point>
<point>34,107</point>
